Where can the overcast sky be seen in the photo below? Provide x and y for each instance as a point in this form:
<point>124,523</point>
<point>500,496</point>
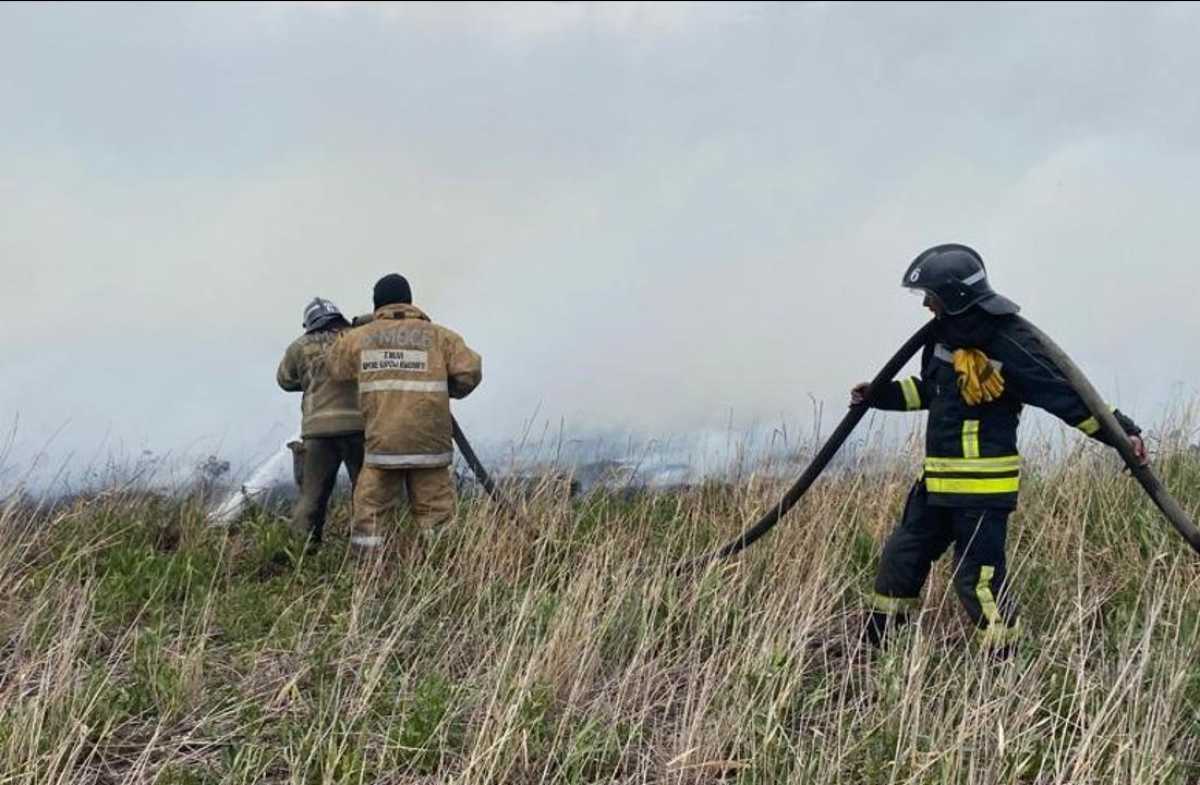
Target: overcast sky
<point>657,218</point>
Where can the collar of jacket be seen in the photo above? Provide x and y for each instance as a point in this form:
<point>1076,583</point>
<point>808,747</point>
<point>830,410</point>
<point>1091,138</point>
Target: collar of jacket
<point>971,330</point>
<point>400,311</point>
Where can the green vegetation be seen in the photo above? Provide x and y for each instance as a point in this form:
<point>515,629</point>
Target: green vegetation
<point>137,646</point>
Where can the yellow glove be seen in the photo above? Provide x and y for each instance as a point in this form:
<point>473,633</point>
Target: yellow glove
<point>978,381</point>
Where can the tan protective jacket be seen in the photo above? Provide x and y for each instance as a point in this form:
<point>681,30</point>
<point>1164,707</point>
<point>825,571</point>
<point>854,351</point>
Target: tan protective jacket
<point>329,407</point>
<point>407,369</point>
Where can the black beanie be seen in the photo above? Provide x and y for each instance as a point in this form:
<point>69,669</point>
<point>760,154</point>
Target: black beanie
<point>392,289</point>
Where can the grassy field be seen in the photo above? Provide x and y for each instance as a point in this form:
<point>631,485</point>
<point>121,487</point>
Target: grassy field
<point>137,646</point>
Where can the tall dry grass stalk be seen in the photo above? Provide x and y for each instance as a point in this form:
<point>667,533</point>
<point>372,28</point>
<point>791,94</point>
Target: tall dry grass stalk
<point>139,647</point>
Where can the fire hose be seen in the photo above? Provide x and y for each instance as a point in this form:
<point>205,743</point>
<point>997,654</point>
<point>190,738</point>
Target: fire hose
<point>1170,508</point>
<point>481,474</point>
<point>1154,488</point>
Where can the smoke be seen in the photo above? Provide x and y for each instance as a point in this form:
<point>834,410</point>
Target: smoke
<point>657,219</point>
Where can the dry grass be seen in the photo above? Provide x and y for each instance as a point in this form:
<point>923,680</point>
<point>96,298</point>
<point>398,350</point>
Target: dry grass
<point>137,646</point>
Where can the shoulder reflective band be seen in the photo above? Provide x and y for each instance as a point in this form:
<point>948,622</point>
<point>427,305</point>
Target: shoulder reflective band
<point>970,438</point>
<point>1091,425</point>
<point>893,605</point>
<point>941,352</point>
<point>912,396</point>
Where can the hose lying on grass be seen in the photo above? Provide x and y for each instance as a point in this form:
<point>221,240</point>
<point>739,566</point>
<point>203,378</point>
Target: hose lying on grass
<point>1075,377</point>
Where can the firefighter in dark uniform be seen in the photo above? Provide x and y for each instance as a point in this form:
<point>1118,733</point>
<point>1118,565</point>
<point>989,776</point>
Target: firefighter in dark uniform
<point>976,374</point>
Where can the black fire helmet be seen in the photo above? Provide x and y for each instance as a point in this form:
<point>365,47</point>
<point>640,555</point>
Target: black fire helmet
<point>955,275</point>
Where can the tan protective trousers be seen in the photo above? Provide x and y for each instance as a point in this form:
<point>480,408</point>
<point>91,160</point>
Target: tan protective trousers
<point>430,500</point>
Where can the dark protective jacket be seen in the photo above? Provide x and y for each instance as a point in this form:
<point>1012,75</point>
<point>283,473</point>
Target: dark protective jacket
<point>329,407</point>
<point>971,456</point>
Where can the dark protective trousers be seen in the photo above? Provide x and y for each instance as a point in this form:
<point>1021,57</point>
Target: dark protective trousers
<point>924,534</point>
<point>323,456</point>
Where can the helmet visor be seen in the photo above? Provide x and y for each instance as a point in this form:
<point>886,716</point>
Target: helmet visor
<point>924,294</point>
<point>928,298</point>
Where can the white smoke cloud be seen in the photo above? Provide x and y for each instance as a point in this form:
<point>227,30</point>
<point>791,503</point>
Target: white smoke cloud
<point>657,217</point>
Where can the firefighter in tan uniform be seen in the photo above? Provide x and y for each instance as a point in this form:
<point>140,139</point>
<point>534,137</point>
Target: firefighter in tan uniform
<point>331,428</point>
<point>407,369</point>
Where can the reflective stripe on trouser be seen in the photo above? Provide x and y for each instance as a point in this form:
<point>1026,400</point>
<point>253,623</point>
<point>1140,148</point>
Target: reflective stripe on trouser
<point>430,499</point>
<point>924,534</point>
<point>997,630</point>
<point>322,457</point>
<point>894,605</point>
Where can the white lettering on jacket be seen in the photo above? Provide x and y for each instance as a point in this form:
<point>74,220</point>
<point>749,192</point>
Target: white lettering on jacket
<point>376,360</point>
<point>399,338</point>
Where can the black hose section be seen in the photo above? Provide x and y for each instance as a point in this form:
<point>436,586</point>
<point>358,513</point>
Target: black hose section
<point>823,456</point>
<point>468,454</point>
<point>1115,435</point>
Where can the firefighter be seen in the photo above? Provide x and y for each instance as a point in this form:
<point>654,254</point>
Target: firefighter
<point>407,369</point>
<point>331,428</point>
<point>977,373</point>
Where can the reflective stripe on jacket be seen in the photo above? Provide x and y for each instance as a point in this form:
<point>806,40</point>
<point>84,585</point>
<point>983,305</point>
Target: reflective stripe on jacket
<point>971,451</point>
<point>329,407</point>
<point>407,369</point>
